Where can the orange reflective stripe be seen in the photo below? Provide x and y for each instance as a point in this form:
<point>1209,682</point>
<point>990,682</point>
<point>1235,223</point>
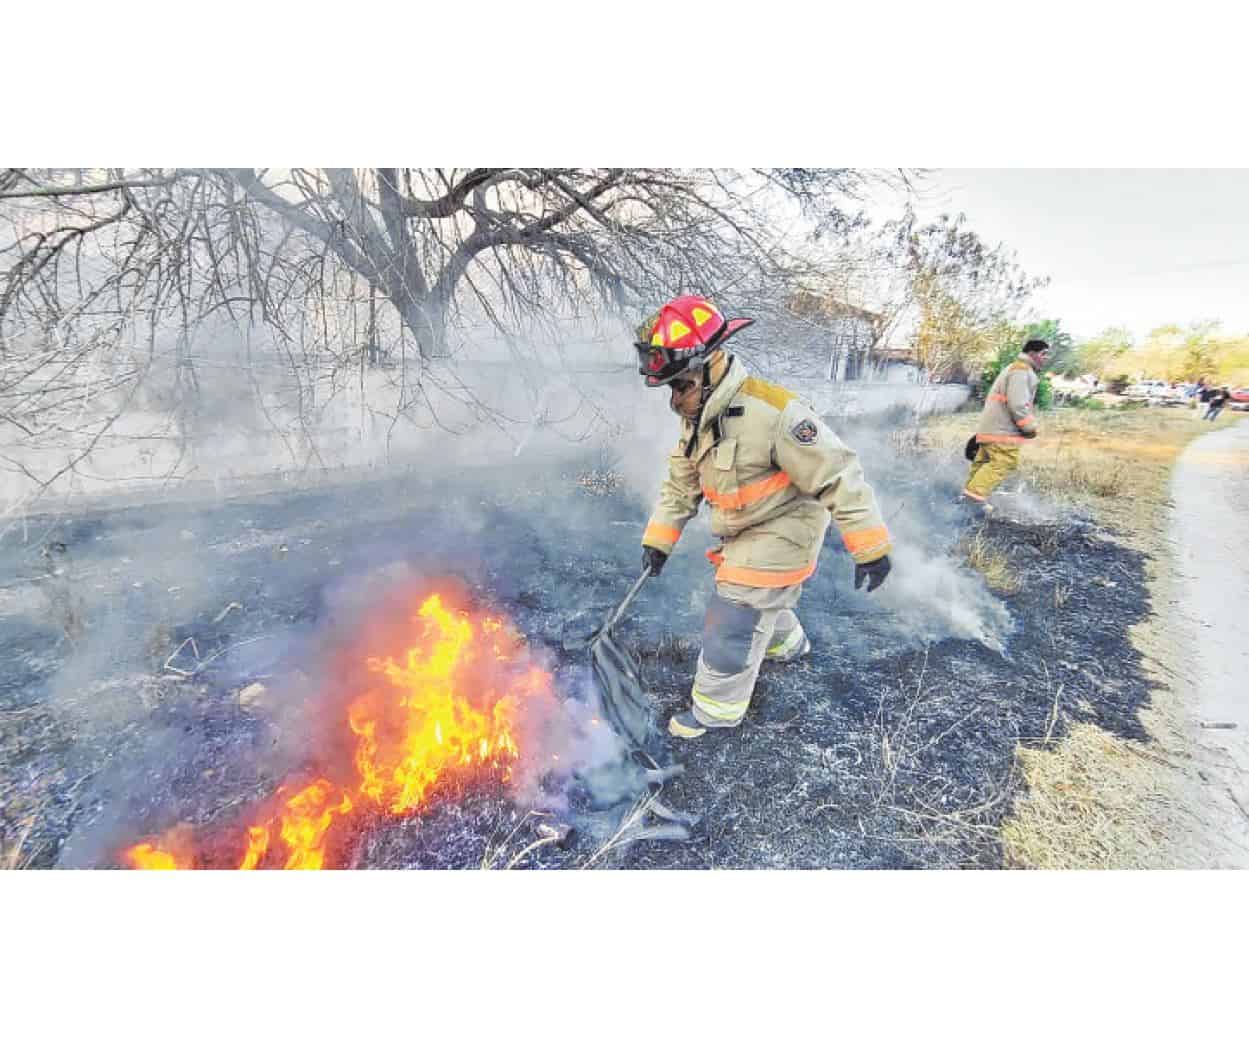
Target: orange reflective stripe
<point>714,557</point>
<point>750,493</point>
<point>994,438</point>
<point>866,540</point>
<point>1026,420</point>
<point>758,579</point>
<point>998,397</point>
<point>659,533</point>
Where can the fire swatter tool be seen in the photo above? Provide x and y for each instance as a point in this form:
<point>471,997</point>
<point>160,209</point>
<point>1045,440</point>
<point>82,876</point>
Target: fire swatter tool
<point>625,705</point>
<point>628,711</point>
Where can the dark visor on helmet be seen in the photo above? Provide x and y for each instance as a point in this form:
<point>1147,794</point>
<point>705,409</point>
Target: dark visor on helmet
<point>661,362</point>
<point>655,360</point>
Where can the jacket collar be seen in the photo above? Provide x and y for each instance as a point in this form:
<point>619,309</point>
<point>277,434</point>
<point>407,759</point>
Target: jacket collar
<point>731,379</point>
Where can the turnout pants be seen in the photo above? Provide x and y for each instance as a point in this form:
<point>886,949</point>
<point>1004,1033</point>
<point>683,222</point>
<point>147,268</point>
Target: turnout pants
<point>993,464</point>
<point>744,625</point>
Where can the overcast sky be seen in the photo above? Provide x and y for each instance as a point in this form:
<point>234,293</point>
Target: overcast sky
<point>1139,248</point>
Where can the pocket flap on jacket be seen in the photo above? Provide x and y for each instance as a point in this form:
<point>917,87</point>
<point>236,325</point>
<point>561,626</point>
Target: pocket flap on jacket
<point>724,453</point>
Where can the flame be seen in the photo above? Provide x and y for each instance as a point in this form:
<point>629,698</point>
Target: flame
<point>303,826</point>
<point>301,823</point>
<point>257,846</point>
<point>145,856</point>
<point>440,729</point>
<point>448,706</point>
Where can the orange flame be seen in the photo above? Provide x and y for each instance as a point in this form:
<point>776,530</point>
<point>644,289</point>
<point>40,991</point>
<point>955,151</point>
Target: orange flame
<point>257,846</point>
<point>439,728</point>
<point>436,712</point>
<point>145,856</point>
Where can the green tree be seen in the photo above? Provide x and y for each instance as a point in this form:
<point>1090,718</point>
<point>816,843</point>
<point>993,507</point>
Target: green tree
<point>1103,351</point>
<point>1200,356</point>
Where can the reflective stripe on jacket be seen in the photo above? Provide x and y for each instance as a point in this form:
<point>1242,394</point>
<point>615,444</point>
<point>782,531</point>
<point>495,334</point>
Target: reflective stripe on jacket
<point>1008,415</point>
<point>773,473</point>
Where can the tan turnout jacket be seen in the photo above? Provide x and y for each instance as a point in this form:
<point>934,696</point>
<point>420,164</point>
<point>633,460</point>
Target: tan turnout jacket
<point>1008,416</point>
<point>773,473</point>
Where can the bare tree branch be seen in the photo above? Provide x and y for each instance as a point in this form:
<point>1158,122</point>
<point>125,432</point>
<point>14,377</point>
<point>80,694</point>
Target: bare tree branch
<point>54,191</point>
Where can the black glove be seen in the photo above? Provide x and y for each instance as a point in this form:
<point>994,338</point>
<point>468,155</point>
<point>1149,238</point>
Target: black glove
<point>653,559</point>
<point>874,572</point>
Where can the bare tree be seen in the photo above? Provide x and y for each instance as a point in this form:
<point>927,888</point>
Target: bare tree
<point>429,240</point>
<point>106,275</point>
<point>957,292</point>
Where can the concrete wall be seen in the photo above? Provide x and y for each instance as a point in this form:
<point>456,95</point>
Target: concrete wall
<point>849,401</point>
<point>555,416</point>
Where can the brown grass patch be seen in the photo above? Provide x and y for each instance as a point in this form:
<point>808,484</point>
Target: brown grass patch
<point>1117,463</point>
<point>1099,802</point>
<point>992,563</point>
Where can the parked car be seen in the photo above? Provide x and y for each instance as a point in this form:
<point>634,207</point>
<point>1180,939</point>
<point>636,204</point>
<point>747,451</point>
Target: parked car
<point>1240,399</point>
<point>1155,391</point>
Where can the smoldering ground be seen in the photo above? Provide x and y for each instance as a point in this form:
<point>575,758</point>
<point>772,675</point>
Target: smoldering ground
<point>891,745</point>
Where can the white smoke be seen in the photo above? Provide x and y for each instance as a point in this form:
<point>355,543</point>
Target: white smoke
<point>934,597</point>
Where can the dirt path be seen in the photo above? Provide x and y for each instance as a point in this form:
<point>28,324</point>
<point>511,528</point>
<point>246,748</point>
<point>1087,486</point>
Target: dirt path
<point>1205,614</point>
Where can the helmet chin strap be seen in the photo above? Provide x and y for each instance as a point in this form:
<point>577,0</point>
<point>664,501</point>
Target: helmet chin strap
<point>709,386</point>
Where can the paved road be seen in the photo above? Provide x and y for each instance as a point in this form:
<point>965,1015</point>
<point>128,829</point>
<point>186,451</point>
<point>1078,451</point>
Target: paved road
<point>1210,531</point>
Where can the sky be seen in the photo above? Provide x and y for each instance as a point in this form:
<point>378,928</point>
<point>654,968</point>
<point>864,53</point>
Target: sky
<point>1136,247</point>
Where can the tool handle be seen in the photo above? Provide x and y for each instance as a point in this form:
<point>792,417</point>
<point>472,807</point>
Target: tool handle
<point>624,603</point>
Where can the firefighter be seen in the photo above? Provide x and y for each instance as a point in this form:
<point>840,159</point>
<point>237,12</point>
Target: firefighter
<point>1008,419</point>
<point>772,472</point>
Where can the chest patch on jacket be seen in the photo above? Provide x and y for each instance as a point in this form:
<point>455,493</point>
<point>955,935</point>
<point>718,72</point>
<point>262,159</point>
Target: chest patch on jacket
<point>804,431</point>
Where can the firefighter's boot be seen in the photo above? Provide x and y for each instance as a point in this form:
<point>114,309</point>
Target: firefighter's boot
<point>684,725</point>
<point>973,505</point>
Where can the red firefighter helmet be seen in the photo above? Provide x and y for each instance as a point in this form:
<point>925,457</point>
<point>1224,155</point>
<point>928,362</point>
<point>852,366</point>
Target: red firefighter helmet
<point>680,336</point>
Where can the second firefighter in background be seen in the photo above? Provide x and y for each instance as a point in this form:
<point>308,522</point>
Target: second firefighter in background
<point>1007,420</point>
<point>773,474</point>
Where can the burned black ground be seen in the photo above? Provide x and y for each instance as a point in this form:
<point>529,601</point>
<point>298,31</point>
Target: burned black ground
<point>881,749</point>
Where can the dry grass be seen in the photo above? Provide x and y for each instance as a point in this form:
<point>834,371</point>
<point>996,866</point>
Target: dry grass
<point>18,852</point>
<point>992,563</point>
<point>1094,802</point>
<point>1116,462</point>
<point>506,855</point>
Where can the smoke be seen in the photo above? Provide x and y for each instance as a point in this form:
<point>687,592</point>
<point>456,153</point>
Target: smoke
<point>570,745</point>
<point>229,411</point>
<point>930,594</point>
<point>1019,505</point>
<point>467,496</point>
<point>934,598</point>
